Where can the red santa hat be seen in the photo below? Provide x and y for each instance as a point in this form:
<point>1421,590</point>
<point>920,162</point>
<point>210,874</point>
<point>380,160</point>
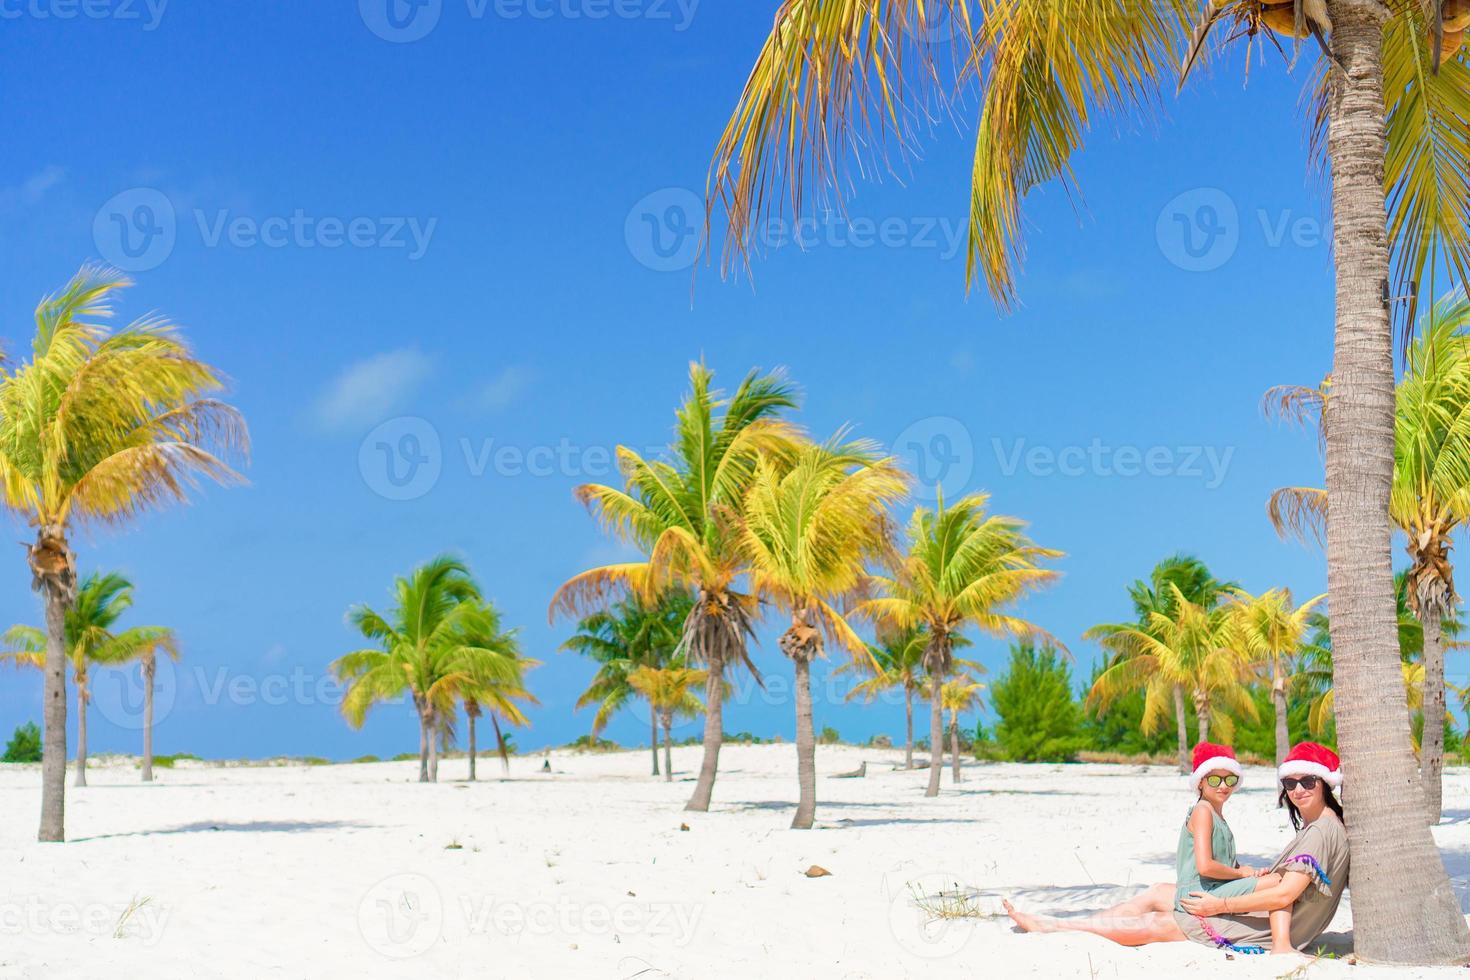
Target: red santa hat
<point>1208,758</point>
<point>1312,759</point>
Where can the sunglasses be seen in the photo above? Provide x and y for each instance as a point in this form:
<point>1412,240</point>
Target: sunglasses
<point>1227,780</point>
<point>1305,782</point>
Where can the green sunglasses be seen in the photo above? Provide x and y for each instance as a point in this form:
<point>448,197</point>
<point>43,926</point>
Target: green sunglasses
<point>1217,780</point>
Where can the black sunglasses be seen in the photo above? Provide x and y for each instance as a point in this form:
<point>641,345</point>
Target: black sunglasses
<point>1305,782</point>
<point>1217,780</point>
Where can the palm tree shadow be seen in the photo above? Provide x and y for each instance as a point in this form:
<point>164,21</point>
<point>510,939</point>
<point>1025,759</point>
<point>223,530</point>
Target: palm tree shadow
<point>251,826</point>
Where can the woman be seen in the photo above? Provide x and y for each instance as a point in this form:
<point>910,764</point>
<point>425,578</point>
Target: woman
<point>1306,883</point>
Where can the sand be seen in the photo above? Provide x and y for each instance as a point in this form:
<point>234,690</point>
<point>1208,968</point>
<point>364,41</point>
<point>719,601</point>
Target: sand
<point>358,871</point>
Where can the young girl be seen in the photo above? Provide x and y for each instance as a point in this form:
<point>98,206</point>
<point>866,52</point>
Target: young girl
<point>1205,860</point>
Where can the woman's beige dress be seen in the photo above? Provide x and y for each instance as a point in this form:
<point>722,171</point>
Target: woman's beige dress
<point>1324,842</point>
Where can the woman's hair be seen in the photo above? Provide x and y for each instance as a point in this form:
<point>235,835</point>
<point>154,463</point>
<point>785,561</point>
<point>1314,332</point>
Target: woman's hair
<point>1327,797</point>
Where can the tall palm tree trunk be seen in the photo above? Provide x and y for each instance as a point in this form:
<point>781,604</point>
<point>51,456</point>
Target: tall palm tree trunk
<point>472,746</point>
<point>806,747</point>
<point>936,737</point>
<point>53,716</point>
<point>432,724</point>
<point>668,747</point>
<point>424,740</point>
<point>1431,743</point>
<point>714,735</point>
<point>1183,728</point>
<point>908,727</point>
<point>954,744</point>
<point>1404,910</point>
<point>653,736</point>
<point>1278,698</point>
<point>1202,714</point>
<point>81,776</point>
<point>148,669</point>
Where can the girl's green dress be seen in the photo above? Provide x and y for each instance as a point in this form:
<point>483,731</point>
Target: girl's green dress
<point>1222,847</point>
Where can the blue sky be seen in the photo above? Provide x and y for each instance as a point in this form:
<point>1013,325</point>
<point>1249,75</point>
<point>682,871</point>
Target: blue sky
<point>392,243</point>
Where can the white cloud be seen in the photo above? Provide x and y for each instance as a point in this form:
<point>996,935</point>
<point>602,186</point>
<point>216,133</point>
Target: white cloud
<point>371,390</point>
<point>503,389</point>
<point>32,189</point>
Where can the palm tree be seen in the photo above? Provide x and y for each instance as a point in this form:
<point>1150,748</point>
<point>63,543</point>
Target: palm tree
<point>429,647</point>
<point>1191,647</point>
<point>147,670</point>
<point>1315,670</point>
<point>959,696</point>
<point>1193,580</point>
<point>897,660</point>
<point>836,78</point>
<point>96,428</point>
<point>101,601</point>
<point>675,511</point>
<point>807,528</point>
<point>963,568</point>
<point>669,691</point>
<point>480,627</point>
<point>621,638</point>
<point>1430,496</point>
<point>1271,632</point>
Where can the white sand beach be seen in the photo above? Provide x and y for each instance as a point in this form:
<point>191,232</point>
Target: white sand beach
<point>352,871</point>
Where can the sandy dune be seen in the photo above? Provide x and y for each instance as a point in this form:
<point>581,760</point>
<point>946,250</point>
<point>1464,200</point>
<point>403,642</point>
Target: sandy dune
<point>349,871</point>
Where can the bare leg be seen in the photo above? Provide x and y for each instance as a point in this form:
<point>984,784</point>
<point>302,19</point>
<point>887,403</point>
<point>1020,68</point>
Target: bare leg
<point>1281,931</point>
<point>1127,930</point>
<point>1156,898</point>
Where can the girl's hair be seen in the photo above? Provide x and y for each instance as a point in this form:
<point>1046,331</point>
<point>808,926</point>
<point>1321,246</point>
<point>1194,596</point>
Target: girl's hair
<point>1327,797</point>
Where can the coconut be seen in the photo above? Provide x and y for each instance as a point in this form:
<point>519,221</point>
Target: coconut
<point>1455,15</point>
<point>1453,41</point>
<point>1281,18</point>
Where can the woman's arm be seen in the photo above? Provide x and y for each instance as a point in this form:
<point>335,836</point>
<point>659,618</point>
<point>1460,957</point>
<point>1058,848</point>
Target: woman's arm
<point>1281,896</point>
<point>1201,826</point>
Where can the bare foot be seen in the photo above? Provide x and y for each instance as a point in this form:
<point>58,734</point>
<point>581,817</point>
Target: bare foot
<point>1028,923</point>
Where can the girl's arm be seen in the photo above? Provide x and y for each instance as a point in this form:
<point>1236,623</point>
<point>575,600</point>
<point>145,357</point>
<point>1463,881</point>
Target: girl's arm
<point>1201,825</point>
<point>1281,896</point>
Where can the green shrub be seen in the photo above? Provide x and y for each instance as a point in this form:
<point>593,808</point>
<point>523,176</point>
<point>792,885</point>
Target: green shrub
<point>829,736</point>
<point>1039,719</point>
<point>406,757</point>
<point>167,761</point>
<point>589,743</point>
<point>367,758</point>
<point>24,745</point>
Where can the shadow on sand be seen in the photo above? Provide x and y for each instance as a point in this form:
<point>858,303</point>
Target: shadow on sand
<point>252,826</point>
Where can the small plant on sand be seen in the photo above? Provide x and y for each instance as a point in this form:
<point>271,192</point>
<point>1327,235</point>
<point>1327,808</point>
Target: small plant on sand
<point>24,745</point>
<point>947,903</point>
<point>119,930</point>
